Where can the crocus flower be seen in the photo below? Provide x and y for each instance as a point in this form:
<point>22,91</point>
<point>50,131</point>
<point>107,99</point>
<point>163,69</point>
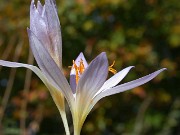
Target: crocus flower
<point>45,30</point>
<point>88,82</point>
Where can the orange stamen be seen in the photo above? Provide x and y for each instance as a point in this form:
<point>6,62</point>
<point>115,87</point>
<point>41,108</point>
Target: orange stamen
<point>78,69</point>
<point>81,67</point>
<point>111,69</point>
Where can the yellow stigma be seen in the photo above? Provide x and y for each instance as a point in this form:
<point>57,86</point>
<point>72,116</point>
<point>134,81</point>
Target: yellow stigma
<point>111,69</point>
<point>78,69</point>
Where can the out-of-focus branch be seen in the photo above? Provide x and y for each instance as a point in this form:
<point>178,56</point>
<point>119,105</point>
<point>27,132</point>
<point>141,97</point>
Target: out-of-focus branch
<point>33,127</point>
<point>8,49</point>
<point>25,93</point>
<point>140,116</point>
<point>172,119</point>
<point>10,82</point>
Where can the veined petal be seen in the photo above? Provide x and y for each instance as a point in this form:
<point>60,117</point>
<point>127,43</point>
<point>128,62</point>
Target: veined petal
<point>49,67</point>
<point>114,80</point>
<point>77,61</point>
<point>54,31</point>
<point>39,7</point>
<point>90,82</point>
<point>73,72</point>
<point>128,85</point>
<point>44,23</point>
<point>38,26</point>
<point>55,93</point>
<point>123,87</point>
<point>94,76</point>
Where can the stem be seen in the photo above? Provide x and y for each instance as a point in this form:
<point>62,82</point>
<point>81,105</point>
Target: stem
<point>59,101</point>
<point>77,129</point>
<point>77,123</point>
<point>64,119</point>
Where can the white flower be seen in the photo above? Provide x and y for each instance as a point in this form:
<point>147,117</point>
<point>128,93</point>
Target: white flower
<point>88,83</point>
<point>89,86</point>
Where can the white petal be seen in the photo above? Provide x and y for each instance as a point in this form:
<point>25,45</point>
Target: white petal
<point>128,85</point>
<point>90,82</point>
<point>54,31</point>
<point>94,76</point>
<point>48,66</point>
<point>56,93</point>
<point>77,61</point>
<point>123,87</point>
<point>46,27</point>
<point>39,7</point>
<point>73,72</point>
<point>38,26</point>
<point>115,79</point>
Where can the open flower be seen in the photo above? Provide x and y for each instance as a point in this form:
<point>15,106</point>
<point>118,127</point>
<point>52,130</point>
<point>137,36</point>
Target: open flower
<point>89,85</point>
<point>88,82</point>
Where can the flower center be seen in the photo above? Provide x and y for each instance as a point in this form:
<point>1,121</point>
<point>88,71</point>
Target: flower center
<point>80,69</point>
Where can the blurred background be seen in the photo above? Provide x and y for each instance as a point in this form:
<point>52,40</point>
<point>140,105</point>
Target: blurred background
<point>145,34</point>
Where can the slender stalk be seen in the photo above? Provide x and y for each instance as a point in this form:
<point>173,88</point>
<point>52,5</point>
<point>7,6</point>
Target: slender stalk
<point>64,118</point>
<point>10,82</point>
<point>77,130</point>
<point>140,116</point>
<point>77,123</point>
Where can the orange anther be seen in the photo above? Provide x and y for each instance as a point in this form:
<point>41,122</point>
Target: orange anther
<point>78,69</point>
<point>111,69</point>
<point>81,67</point>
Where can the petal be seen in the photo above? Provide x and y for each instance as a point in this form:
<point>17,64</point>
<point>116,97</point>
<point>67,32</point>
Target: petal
<point>44,23</point>
<point>77,61</point>
<point>123,87</point>
<point>90,82</point>
<point>73,72</point>
<point>54,31</point>
<point>38,26</point>
<point>115,79</point>
<point>31,67</point>
<point>128,85</point>
<point>55,93</point>
<point>48,66</point>
<point>94,76</point>
<point>39,7</point>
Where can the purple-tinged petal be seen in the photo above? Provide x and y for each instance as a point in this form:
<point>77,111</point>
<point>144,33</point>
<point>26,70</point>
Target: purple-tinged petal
<point>39,7</point>
<point>44,23</point>
<point>94,76</point>
<point>128,85</point>
<point>38,27</point>
<point>73,72</point>
<point>90,82</point>
<point>54,31</point>
<point>115,79</point>
<point>123,87</point>
<point>73,83</point>
<point>49,67</point>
